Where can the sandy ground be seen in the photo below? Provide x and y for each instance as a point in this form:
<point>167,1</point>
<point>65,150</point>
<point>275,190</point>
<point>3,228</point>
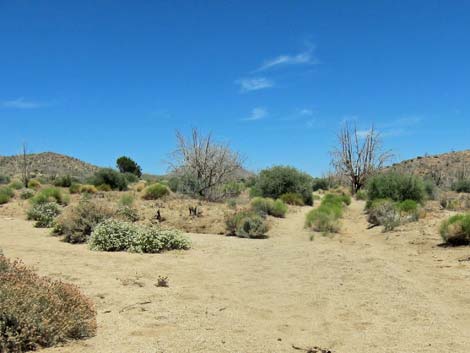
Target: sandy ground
<point>360,291</point>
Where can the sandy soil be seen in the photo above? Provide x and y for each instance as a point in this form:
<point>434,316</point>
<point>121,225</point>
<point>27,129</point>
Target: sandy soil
<point>360,291</point>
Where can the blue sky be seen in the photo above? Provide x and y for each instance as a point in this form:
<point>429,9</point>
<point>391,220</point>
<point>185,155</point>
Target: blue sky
<point>275,79</point>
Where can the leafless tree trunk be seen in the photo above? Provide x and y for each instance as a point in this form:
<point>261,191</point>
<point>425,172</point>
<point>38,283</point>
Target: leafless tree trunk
<point>24,166</point>
<point>359,155</point>
<point>207,164</point>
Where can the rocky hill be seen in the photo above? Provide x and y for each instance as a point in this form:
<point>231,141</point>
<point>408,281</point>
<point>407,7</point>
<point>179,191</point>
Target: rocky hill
<point>444,169</point>
<point>47,164</point>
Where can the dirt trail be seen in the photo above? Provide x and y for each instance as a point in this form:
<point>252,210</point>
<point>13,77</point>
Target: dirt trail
<point>360,291</point>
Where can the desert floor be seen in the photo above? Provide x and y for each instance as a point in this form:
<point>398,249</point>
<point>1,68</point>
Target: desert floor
<point>359,291</point>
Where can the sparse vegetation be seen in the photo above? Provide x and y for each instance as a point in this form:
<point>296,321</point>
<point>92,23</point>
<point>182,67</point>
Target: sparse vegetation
<point>75,188</point>
<point>127,213</point>
<point>4,179</point>
<point>87,189</point>
<point>279,180</point>
<point>155,192</point>
<point>65,181</point>
<point>462,185</point>
<point>456,230</point>
<point>361,195</point>
<point>38,312</point>
<point>16,185</point>
<point>384,212</point>
<point>26,194</point>
<point>44,214</point>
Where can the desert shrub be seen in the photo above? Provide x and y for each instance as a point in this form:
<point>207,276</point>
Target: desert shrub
<point>38,312</point>
<point>155,191</point>
<point>267,206</point>
<point>246,224</point>
<point>131,178</point>
<point>292,198</point>
<point>232,203</point>
<point>26,194</point>
<point>279,180</point>
<point>233,189</point>
<point>456,230</point>
<point>103,187</point>
<point>407,206</point>
<point>34,184</point>
<point>4,179</point>
<point>430,188</point>
<point>397,187</point>
<point>114,235</point>
<point>129,166</point>
<point>6,193</point>
<point>155,240</point>
<point>326,217</point>
<point>50,194</point>
<point>77,223</point>
<point>16,185</point>
<point>44,214</point>
<point>126,200</point>
<point>127,213</point>
<point>361,195</point>
<point>75,188</point>
<point>109,176</point>
<point>320,184</point>
<point>462,186</point>
<point>174,183</point>
<point>88,189</point>
<point>64,181</point>
<point>384,212</point>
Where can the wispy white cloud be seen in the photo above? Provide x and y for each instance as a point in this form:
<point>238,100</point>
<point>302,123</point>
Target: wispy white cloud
<point>257,113</point>
<point>305,57</point>
<point>254,84</point>
<point>21,103</point>
<point>306,112</point>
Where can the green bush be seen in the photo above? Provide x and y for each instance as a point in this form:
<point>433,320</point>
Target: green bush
<point>77,223</point>
<point>246,224</point>
<point>127,200</point>
<point>397,187</point>
<point>267,206</point>
<point>114,235</point>
<point>233,189</point>
<point>361,195</point>
<point>34,184</point>
<point>65,181</point>
<point>174,183</point>
<point>38,312</point>
<point>127,213</point>
<point>408,206</point>
<point>320,184</point>
<point>326,217</point>
<point>279,180</point>
<point>103,187</point>
<point>50,194</point>
<point>75,188</point>
<point>430,188</point>
<point>456,230</point>
<point>6,193</point>
<point>110,177</point>
<point>128,166</point>
<point>16,185</point>
<point>131,178</point>
<point>292,198</point>
<point>155,191</point>
<point>462,186</point>
<point>44,214</point>
<point>88,189</point>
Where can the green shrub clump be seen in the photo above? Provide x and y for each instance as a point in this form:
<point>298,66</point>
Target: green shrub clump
<point>4,179</point>
<point>16,185</point>
<point>267,206</point>
<point>108,176</point>
<point>44,214</point>
<point>279,180</point>
<point>155,191</point>
<point>50,194</point>
<point>396,187</point>
<point>462,186</point>
<point>26,194</point>
<point>292,198</point>
<point>77,223</point>
<point>326,217</point>
<point>34,184</point>
<point>456,230</point>
<point>65,181</point>
<point>6,193</point>
<point>115,235</point>
<point>38,312</point>
<point>246,224</point>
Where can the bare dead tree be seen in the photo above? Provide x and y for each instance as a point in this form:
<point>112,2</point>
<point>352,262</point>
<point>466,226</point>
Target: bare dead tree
<point>204,164</point>
<point>24,165</point>
<point>359,155</point>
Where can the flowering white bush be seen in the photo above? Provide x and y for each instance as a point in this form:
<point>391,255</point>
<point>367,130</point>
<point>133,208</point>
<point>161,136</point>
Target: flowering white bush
<point>44,214</point>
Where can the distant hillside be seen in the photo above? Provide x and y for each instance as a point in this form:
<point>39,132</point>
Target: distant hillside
<point>444,169</point>
<point>47,164</point>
